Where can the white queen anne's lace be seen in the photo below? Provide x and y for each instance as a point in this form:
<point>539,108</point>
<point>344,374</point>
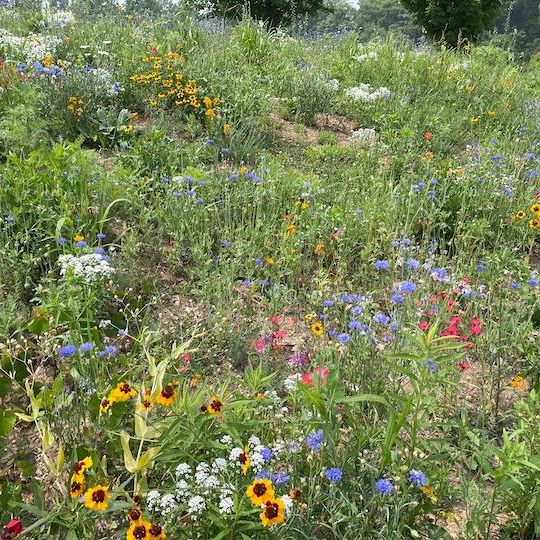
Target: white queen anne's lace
<point>90,267</point>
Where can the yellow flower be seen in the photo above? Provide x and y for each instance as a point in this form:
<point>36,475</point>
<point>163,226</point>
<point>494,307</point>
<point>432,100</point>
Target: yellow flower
<point>167,396</point>
<point>127,129</point>
<point>519,215</point>
<point>260,396</point>
<point>153,103</point>
<point>491,113</point>
<point>97,498</point>
<point>291,229</point>
<point>47,60</point>
<point>146,402</point>
<point>535,209</point>
<point>518,383</point>
<point>317,328</point>
<point>534,224</point>
<point>76,487</point>
<point>310,316</point>
<point>215,406</point>
<point>243,170</point>
<point>244,460</point>
<point>269,260</point>
<point>273,512</point>
<point>209,112</point>
<point>81,466</point>
<point>138,530</point>
<point>260,491</point>
<point>319,249</point>
<point>207,102</point>
<point>105,405</point>
<point>302,203</point>
<point>429,492</point>
<point>123,392</point>
<point>78,238</point>
<point>227,129</point>
<point>133,116</point>
<point>474,119</point>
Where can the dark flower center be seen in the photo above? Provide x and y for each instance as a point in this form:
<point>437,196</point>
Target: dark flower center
<point>78,467</point>
<point>105,403</point>
<point>259,490</point>
<point>125,388</point>
<point>155,530</point>
<point>167,392</point>
<point>134,514</point>
<point>243,458</point>
<point>98,496</point>
<point>216,405</point>
<point>75,486</point>
<point>139,532</point>
<point>271,511</point>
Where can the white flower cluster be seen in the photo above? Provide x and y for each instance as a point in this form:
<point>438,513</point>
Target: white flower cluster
<point>60,19</point>
<point>332,85</point>
<point>291,382</point>
<point>364,137</point>
<point>371,55</point>
<point>367,93</point>
<point>90,267</point>
<point>34,47</point>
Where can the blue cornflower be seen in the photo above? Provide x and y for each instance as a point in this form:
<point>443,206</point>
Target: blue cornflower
<point>334,474</point>
<point>263,475</point>
<point>9,219</point>
<point>381,318</point>
<point>199,201</point>
<point>398,298</point>
<point>357,310</point>
<point>208,141</point>
<point>67,350</point>
<point>122,332</point>
<point>247,283</point>
<point>394,243</point>
<point>359,212</point>
<point>233,177</point>
<point>418,187</point>
<point>515,285</point>
<point>164,180</point>
<point>382,264</point>
<point>86,347</point>
<point>343,338</point>
<point>280,478</point>
<point>225,244</point>
<point>431,365</point>
<point>533,280</point>
<point>259,262</point>
<point>61,240</point>
<point>81,244</point>
<point>266,453</point>
<point>354,325</point>
<point>264,282</point>
<point>440,274</point>
<point>225,151</point>
<point>417,477</point>
<point>99,251</point>
<point>394,327</point>
<point>100,236</point>
<point>480,267</point>
<point>21,68</point>
<point>413,264</point>
<point>108,351</point>
<point>315,439</point>
<point>116,88</point>
<point>384,486</point>
<point>407,287</point>
<point>328,303</point>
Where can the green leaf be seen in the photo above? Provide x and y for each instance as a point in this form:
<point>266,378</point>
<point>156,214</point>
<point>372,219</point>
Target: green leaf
<point>7,421</point>
<point>27,468</point>
<point>5,386</point>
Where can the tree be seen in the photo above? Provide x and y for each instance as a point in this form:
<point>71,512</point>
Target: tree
<point>275,12</point>
<point>454,19</point>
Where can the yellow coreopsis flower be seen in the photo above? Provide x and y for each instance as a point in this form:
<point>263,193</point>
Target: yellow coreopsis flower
<point>97,498</point>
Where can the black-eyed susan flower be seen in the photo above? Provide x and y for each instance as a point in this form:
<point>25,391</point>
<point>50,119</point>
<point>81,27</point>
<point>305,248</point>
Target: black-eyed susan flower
<point>138,530</point>
<point>156,532</point>
<point>520,214</point>
<point>534,224</point>
<point>317,328</point>
<point>81,466</point>
<point>76,487</point>
<point>123,392</point>
<point>97,498</point>
<point>302,203</point>
<point>260,491</point>
<point>291,229</point>
<point>244,460</point>
<point>104,405</point>
<point>535,208</point>
<point>518,383</point>
<point>135,515</point>
<point>273,512</point>
<point>167,396</point>
<point>146,401</point>
<point>215,406</point>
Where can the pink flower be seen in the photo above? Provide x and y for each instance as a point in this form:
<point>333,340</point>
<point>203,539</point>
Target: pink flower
<point>13,528</point>
<point>153,50</point>
<point>275,319</point>
<point>464,365</point>
<point>423,325</point>
<point>320,373</point>
<point>278,334</point>
<point>260,345</point>
<point>336,234</point>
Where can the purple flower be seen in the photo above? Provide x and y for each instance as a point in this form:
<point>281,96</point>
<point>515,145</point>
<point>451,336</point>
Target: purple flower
<point>398,298</point>
<point>334,475</point>
<point>108,351</point>
<point>328,303</point>
<point>81,244</point>
<point>67,350</point>
<point>357,310</point>
<point>299,359</point>
<point>381,318</point>
<point>86,347</point>
<point>417,478</point>
<point>61,240</point>
<point>384,486</point>
<point>100,236</point>
<point>226,244</point>
<point>266,453</point>
<point>259,262</point>
<point>343,338</point>
<point>233,177</point>
<point>480,267</point>
<point>413,264</point>
<point>280,478</point>
<point>382,264</point>
<point>407,287</point>
<point>264,282</point>
<point>315,439</point>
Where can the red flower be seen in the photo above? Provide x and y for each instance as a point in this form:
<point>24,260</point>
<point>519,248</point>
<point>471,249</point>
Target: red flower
<point>153,50</point>
<point>464,365</point>
<point>307,378</point>
<point>13,528</point>
<point>450,304</point>
<point>423,325</point>
<point>275,319</point>
<point>278,334</point>
<point>454,321</point>
<point>428,135</point>
<point>336,234</point>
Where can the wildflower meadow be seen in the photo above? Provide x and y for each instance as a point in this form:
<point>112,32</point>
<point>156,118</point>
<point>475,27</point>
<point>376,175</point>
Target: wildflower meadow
<point>259,282</point>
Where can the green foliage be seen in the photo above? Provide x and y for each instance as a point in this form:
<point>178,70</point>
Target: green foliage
<point>456,21</point>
